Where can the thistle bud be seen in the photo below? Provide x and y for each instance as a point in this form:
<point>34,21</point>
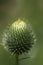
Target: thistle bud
<point>19,37</point>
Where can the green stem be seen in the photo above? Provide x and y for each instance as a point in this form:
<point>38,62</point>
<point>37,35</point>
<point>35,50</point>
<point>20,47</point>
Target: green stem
<point>16,59</point>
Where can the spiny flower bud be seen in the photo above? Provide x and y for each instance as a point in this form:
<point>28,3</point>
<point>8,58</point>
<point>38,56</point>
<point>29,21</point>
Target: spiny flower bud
<point>19,37</point>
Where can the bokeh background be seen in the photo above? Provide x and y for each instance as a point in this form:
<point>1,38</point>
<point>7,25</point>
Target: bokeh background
<point>31,10</point>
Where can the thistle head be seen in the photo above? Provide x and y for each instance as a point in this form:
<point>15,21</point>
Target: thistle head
<point>19,37</point>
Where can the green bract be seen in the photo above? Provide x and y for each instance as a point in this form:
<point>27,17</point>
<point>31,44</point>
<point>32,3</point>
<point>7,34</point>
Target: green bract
<point>19,37</point>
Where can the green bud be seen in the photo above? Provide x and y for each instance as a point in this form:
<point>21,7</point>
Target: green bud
<point>19,37</point>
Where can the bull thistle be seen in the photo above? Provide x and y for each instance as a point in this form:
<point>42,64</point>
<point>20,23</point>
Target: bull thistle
<point>18,38</point>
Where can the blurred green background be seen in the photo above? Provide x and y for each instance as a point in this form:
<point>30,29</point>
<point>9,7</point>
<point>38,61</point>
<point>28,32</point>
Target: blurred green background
<point>31,10</point>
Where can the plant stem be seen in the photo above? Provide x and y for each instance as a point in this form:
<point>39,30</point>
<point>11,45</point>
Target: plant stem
<point>16,59</point>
